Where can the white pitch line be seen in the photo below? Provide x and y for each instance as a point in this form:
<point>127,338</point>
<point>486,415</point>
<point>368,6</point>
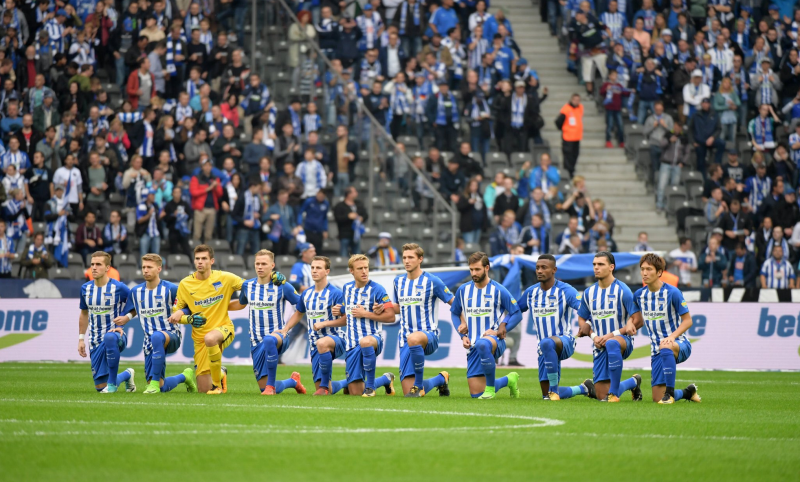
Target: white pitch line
<point>724,438</point>
<point>739,382</point>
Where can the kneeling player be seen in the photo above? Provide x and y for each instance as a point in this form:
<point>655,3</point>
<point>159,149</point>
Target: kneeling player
<point>266,295</point>
<point>488,311</point>
<point>102,300</point>
<point>605,307</point>
<point>551,303</point>
<point>364,340</point>
<point>153,302</point>
<point>667,318</point>
<point>327,342</point>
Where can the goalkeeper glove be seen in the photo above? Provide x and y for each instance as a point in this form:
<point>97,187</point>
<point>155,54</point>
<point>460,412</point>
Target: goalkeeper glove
<point>197,320</point>
<point>278,279</point>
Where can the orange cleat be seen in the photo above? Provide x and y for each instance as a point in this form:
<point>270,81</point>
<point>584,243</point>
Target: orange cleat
<point>269,390</point>
<point>299,387</point>
<point>322,391</point>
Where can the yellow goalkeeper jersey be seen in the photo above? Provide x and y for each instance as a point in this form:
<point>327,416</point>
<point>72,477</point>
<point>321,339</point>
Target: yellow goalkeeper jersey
<point>209,296</point>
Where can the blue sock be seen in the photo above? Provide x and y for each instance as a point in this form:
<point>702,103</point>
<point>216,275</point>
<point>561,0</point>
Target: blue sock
<point>626,385</point>
<point>337,385</point>
<point>368,360</point>
<point>123,377</point>
<point>432,383</point>
<point>550,356</point>
<point>271,347</point>
<point>381,381</point>
<point>325,368</point>
<point>614,353</point>
<point>282,385</point>
<point>172,382</point>
<point>475,395</point>
<point>500,383</point>
<point>157,359</point>
<point>669,366</point>
<point>418,359</point>
<point>111,344</point>
<point>567,392</point>
<point>678,394</point>
<point>484,347</point>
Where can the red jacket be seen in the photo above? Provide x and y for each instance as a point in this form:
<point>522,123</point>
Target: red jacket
<point>133,88</point>
<point>198,192</point>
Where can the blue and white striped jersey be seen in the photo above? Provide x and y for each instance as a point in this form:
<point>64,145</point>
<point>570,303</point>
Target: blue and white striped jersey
<point>483,309</point>
<point>551,310</point>
<point>154,307</point>
<point>777,273</point>
<point>662,311</point>
<point>104,303</point>
<point>266,306</point>
<point>317,307</point>
<point>301,275</point>
<point>417,300</point>
<point>607,309</point>
<point>371,294</point>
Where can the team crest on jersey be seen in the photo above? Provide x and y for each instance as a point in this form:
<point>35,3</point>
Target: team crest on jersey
<point>447,290</point>
<point>217,285</point>
<point>683,303</point>
<point>579,296</point>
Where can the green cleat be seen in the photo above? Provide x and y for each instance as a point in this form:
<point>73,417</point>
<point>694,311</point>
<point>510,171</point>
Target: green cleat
<point>153,387</point>
<point>487,394</point>
<point>110,389</point>
<point>513,384</point>
<point>191,381</point>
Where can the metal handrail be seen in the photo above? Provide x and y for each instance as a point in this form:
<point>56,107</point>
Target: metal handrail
<point>377,128</point>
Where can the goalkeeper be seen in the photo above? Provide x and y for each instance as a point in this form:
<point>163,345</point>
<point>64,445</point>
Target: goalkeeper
<point>203,299</point>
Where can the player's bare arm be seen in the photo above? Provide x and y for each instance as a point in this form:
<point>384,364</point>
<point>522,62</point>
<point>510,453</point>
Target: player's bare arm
<point>234,305</point>
<point>341,321</point>
<point>83,325</point>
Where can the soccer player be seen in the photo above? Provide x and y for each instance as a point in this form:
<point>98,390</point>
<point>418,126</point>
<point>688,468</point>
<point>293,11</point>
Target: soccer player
<point>488,311</point>
<point>266,295</point>
<point>667,318</point>
<point>364,339</point>
<point>605,307</point>
<point>102,300</point>
<point>551,303</point>
<point>414,295</point>
<point>153,302</point>
<point>324,336</point>
<point>203,299</point>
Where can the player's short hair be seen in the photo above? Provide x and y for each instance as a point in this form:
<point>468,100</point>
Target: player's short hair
<point>548,257</point>
<point>326,260</point>
<point>265,252</point>
<point>607,255</point>
<point>653,260</point>
<point>154,258</point>
<point>204,248</point>
<point>413,247</point>
<point>479,257</point>
<point>356,257</point>
<point>102,254</point>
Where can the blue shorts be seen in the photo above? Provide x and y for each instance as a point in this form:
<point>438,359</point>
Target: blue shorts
<point>406,366</point>
<point>98,357</point>
<point>567,350</point>
<point>172,347</point>
<point>338,351</point>
<point>600,368</point>
<point>474,368</point>
<point>355,361</point>
<point>657,370</point>
<point>259,355</point>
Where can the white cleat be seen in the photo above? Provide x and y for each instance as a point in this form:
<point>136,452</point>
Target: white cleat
<point>130,385</point>
<point>104,390</point>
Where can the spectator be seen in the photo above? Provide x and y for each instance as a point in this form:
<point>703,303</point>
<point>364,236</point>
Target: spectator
<point>535,238</point>
<point>312,174</point>
<point>480,126</point>
<point>344,155</point>
<point>141,86</point>
<point>350,216</point>
<point>523,116</point>
<point>534,205</point>
<point>69,177</point>
<point>685,260</point>
<point>37,260</point>
<point>786,212</point>
<point>675,155</point>
<point>283,223</point>
<point>7,252</point>
<point>38,184</point>
<point>453,179</point>
<point>742,270</point>
<point>736,226</point>
<point>422,192</point>
<point>657,129</point>
<point>313,217</point>
<point>287,148</point>
<point>572,245</point>
<point>704,129</point>
<point>232,190</point>
<point>713,263</point>
<point>715,206</point>
<point>758,187</point>
<point>762,129</point>
<point>777,272</point>
<point>383,253</point>
<point>570,123</point>
<point>197,147</point>
<point>88,237</point>
<point>612,92</point>
<point>781,165</point>
<point>148,219</point>
<point>642,244</point>
<point>443,110</point>
<point>246,215</point>
<point>506,200</point>
<point>493,190</point>
<point>726,103</point>
<point>115,235</point>
<point>694,93</point>
<point>571,231</point>
<point>649,86</point>
<point>227,145</point>
<point>178,216</point>
<point>505,235</point>
<point>206,190</point>
<point>469,165</point>
<point>588,44</point>
<point>473,211</point>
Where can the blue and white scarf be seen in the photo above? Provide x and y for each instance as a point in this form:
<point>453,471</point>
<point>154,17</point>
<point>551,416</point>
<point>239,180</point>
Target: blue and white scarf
<point>476,54</point>
<point>766,87</point>
<point>58,231</point>
<point>115,235</point>
<point>296,124</point>
<point>658,83</point>
<point>312,123</point>
<point>763,131</point>
<point>192,21</point>
<point>174,48</point>
<point>421,95</point>
<point>398,102</point>
<point>404,16</point>
<point>518,105</point>
<point>6,246</point>
<point>252,209</point>
<point>358,229</point>
<point>207,39</point>
<point>441,117</point>
<point>615,22</point>
<point>479,106</point>
<point>14,212</point>
<point>32,250</point>
<point>369,26</point>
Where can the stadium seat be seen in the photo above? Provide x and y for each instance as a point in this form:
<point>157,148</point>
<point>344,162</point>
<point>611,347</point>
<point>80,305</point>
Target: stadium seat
<point>74,258</point>
<point>497,159</point>
<point>220,246</point>
<point>694,225</point>
<point>339,263</point>
<point>60,273</point>
<point>178,260</point>
<point>520,158</point>
<point>695,193</point>
<point>444,250</point>
<point>125,259</point>
<point>330,246</point>
<point>410,142</point>
<point>285,262</point>
<point>230,262</point>
<point>470,248</point>
<point>691,179</point>
<point>77,272</point>
<point>676,196</point>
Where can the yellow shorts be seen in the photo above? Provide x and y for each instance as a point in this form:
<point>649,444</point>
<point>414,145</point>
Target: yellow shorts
<point>201,350</point>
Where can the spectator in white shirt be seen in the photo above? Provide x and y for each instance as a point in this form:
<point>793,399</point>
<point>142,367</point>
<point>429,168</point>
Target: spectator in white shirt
<point>685,260</point>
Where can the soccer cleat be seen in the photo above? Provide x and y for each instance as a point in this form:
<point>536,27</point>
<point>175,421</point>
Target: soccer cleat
<point>368,393</point>
<point>694,397</point>
<point>588,384</point>
<point>322,391</point>
<point>191,380</point>
<point>611,398</point>
<point>390,387</point>
<point>414,392</point>
<point>487,394</point>
<point>636,392</point>
<point>130,384</point>
<point>110,389</point>
<point>269,390</point>
<point>444,390</point>
<point>667,399</point>
<point>153,387</point>
<point>513,384</point>
<point>104,390</point>
<point>553,396</point>
<point>299,386</point>
<point>215,390</point>
<point>224,380</point>
<point>547,398</point>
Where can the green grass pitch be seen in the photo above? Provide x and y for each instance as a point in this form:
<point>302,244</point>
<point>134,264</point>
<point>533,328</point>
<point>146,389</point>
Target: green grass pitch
<point>53,426</point>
